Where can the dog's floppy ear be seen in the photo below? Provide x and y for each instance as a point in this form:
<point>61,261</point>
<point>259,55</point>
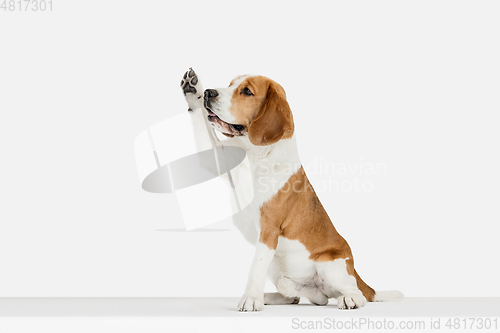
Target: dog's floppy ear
<point>274,121</point>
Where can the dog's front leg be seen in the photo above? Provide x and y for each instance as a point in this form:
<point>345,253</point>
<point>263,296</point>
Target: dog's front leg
<point>193,92</point>
<point>253,299</point>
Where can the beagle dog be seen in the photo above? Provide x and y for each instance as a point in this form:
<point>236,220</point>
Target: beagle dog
<point>296,244</point>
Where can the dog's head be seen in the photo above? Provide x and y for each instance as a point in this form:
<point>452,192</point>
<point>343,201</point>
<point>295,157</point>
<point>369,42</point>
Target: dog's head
<point>252,105</point>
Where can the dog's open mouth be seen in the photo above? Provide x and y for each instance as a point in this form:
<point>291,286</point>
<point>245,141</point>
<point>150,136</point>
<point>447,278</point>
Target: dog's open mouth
<point>232,129</point>
<point>212,116</point>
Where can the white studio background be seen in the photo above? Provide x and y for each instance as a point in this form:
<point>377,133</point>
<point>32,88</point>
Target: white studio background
<point>409,87</point>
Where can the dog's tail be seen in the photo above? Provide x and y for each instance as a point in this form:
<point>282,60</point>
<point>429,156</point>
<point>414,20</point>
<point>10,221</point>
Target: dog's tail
<point>384,296</point>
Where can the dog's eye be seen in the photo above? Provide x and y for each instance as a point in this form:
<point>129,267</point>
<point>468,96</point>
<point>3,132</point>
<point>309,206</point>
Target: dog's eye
<point>247,92</point>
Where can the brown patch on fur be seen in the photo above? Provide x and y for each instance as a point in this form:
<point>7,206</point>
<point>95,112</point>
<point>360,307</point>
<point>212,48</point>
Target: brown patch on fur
<point>367,291</point>
<point>296,213</point>
<point>266,114</point>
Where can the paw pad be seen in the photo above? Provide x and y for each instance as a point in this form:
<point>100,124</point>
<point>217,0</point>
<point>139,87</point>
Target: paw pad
<point>189,81</point>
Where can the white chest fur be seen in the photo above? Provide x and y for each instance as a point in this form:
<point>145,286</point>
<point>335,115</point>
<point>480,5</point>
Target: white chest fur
<point>292,260</point>
<point>271,167</point>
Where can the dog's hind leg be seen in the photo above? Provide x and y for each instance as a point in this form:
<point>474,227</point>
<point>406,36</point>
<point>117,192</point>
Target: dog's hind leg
<point>289,288</point>
<point>277,298</point>
<point>339,276</point>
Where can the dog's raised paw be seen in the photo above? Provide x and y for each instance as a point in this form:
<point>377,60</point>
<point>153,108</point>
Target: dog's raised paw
<point>192,89</point>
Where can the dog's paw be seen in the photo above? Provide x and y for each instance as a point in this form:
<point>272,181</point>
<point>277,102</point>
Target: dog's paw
<point>318,298</point>
<point>353,301</point>
<point>189,82</point>
<point>249,303</point>
<point>278,299</point>
<point>192,89</point>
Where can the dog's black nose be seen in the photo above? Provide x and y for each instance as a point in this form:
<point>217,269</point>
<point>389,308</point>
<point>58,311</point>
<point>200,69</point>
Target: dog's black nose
<point>210,93</point>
